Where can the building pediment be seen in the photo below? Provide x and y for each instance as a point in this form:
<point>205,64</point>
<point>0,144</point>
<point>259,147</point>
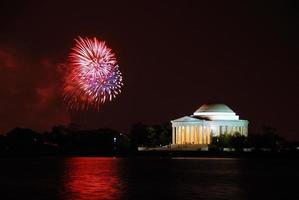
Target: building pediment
<point>186,119</point>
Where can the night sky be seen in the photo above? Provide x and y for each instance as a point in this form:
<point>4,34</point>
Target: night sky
<point>174,57</point>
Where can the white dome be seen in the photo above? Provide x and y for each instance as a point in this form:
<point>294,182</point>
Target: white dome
<point>216,112</point>
<point>214,108</point>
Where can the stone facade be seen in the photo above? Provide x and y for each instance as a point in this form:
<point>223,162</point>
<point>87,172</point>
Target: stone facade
<point>209,120</point>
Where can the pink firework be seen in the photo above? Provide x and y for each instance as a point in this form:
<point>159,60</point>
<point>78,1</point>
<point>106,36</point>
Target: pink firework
<point>93,76</point>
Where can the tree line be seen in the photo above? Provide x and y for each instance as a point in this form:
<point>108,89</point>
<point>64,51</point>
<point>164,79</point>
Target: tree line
<point>268,140</point>
<point>71,140</point>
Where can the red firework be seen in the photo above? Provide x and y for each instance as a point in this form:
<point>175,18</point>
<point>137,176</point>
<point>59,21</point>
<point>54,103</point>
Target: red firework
<point>93,76</point>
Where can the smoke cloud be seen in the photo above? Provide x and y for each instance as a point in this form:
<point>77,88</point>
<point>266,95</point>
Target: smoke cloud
<point>30,91</point>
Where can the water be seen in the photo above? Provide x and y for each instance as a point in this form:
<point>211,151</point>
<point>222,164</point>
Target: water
<point>90,178</point>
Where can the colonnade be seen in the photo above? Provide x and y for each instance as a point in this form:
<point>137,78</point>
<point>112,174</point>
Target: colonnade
<point>201,134</point>
<point>191,135</point>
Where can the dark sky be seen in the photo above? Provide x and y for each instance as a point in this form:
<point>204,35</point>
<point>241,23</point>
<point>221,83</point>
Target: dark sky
<point>174,56</point>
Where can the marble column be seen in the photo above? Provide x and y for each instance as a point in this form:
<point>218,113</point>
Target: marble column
<point>173,138</point>
<point>179,135</point>
<point>208,135</point>
<point>184,135</point>
<point>175,135</point>
<point>193,135</point>
<point>196,134</point>
<point>204,134</point>
<point>188,134</point>
<point>200,135</point>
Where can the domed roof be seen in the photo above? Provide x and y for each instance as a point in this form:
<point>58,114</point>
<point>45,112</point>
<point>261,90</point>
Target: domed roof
<point>214,108</point>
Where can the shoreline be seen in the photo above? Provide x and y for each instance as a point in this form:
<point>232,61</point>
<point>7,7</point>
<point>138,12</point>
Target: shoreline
<point>164,154</point>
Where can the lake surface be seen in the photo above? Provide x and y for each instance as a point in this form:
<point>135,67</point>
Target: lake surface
<point>95,178</point>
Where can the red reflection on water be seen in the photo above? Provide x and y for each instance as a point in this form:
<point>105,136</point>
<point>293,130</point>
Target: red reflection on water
<point>92,178</point>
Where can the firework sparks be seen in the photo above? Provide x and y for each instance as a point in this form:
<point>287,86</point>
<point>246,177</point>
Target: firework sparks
<point>93,76</point>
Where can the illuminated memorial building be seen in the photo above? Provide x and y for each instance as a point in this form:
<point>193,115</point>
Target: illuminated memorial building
<point>209,120</point>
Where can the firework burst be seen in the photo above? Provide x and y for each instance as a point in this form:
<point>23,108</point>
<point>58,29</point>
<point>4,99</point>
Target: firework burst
<point>93,76</point>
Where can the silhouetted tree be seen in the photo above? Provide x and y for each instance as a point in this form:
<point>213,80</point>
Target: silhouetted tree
<point>165,134</point>
<point>226,140</point>
<point>268,139</point>
<point>3,144</point>
<point>138,134</point>
<point>237,141</point>
<point>24,141</point>
<point>150,136</point>
<point>58,134</point>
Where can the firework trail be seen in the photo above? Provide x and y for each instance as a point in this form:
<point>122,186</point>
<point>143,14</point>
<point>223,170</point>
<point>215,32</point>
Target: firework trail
<point>93,76</point>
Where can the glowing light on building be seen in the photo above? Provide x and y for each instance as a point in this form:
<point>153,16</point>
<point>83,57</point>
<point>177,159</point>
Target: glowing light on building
<point>207,121</point>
